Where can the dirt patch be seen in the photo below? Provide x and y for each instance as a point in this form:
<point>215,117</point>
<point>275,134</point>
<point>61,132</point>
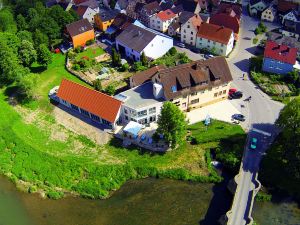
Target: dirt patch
<point>29,116</point>
<point>80,127</point>
<point>58,135</point>
<point>282,88</point>
<point>103,57</point>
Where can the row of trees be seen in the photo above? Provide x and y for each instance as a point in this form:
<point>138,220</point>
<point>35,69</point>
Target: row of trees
<point>27,31</point>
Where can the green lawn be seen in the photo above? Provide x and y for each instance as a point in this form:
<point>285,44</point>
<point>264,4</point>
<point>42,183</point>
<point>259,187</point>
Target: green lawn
<point>91,53</point>
<point>49,78</point>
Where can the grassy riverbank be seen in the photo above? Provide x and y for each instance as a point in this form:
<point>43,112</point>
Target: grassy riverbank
<point>44,156</point>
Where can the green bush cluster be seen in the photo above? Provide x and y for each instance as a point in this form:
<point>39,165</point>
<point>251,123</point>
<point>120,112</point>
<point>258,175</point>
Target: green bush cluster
<point>263,197</point>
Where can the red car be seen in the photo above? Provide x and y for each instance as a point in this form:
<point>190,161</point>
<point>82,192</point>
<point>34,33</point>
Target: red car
<point>231,91</point>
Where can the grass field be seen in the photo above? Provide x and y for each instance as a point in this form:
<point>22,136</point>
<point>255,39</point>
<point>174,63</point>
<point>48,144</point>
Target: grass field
<point>91,53</point>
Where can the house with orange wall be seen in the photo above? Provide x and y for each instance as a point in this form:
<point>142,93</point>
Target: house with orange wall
<point>104,19</point>
<point>80,32</point>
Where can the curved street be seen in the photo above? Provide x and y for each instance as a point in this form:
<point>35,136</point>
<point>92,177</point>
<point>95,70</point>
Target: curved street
<point>261,113</point>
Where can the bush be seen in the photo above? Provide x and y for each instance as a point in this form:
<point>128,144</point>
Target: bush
<point>90,42</point>
<point>55,194</point>
<point>110,89</point>
<point>76,67</point>
<point>97,85</point>
<point>172,51</point>
<point>32,189</point>
<point>78,49</point>
<point>137,66</point>
<point>254,40</point>
<point>263,197</point>
<point>125,67</point>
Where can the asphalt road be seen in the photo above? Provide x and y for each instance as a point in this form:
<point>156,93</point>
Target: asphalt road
<point>261,113</point>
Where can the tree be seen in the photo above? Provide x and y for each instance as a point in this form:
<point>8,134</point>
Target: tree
<point>137,66</point>
<point>97,85</point>
<point>172,124</point>
<point>50,27</point>
<point>26,85</point>
<point>44,56</point>
<point>289,123</point>
<point>144,60</point>
<point>110,89</point>
<point>116,58</point>
<point>293,76</point>
<point>172,51</point>
<point>25,35</point>
<point>21,22</point>
<point>27,53</point>
<point>7,22</point>
<point>40,38</point>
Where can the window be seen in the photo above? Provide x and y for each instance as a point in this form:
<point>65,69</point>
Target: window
<point>224,92</point>
<point>201,92</point>
<point>125,111</point>
<point>195,101</point>
<point>184,36</point>
<point>188,26</point>
<point>220,92</point>
<point>184,104</point>
<point>194,93</point>
<point>126,117</point>
<point>152,110</point>
<point>184,31</point>
<point>142,113</point>
<point>133,120</point>
<point>216,94</point>
<point>84,112</point>
<point>221,50</point>
<point>208,41</point>
<point>74,107</point>
<point>94,117</point>
<point>191,38</point>
<point>192,32</point>
<point>65,102</point>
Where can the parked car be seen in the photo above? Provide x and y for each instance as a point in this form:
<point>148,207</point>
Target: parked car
<point>253,143</point>
<point>180,44</point>
<point>236,95</point>
<point>196,50</point>
<point>238,117</point>
<point>232,90</point>
<point>208,56</point>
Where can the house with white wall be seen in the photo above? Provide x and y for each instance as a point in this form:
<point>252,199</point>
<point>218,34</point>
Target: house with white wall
<point>85,12</point>
<point>190,24</point>
<point>162,20</point>
<point>256,7</point>
<point>269,14</point>
<point>135,40</point>
<point>217,39</point>
<point>292,16</point>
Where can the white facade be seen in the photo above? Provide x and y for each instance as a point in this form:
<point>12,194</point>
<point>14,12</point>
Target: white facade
<point>188,33</point>
<point>219,48</point>
<point>268,14</point>
<point>161,25</point>
<point>90,13</point>
<point>256,8</point>
<point>289,16</point>
<point>159,46</point>
<point>289,33</point>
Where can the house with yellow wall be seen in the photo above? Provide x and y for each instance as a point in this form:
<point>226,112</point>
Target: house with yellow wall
<point>80,32</point>
<point>104,19</point>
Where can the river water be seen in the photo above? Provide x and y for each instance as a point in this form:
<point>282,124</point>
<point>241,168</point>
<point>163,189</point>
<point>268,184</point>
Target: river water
<point>138,202</point>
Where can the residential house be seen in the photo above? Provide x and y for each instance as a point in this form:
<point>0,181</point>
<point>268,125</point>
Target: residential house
<point>190,24</point>
<point>145,76</point>
<point>136,39</point>
<point>234,10</point>
<point>189,5</point>
<point>195,84</point>
<point>120,22</point>
<point>122,5</point>
<point>282,39</point>
<point>140,105</point>
<point>256,7</point>
<point>291,31</point>
<point>217,39</point>
<point>162,20</point>
<point>105,18</point>
<point>85,12</point>
<point>174,29</point>
<point>279,59</point>
<point>80,32</point>
<point>230,21</point>
<point>284,6</point>
<point>147,11</point>
<point>92,4</point>
<point>269,14</point>
<point>291,16</point>
<point>95,106</point>
<point>203,4</point>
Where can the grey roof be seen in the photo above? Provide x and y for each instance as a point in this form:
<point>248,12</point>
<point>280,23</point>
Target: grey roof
<point>78,27</point>
<point>107,15</point>
<point>139,97</point>
<point>185,16</point>
<point>123,4</point>
<point>135,37</point>
<point>285,40</point>
<point>90,3</point>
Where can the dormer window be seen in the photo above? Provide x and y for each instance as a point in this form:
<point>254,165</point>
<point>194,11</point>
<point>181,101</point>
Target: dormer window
<point>174,89</point>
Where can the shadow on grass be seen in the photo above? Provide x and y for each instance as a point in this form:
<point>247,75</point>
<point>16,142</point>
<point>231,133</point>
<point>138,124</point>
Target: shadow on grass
<point>37,69</point>
<point>117,143</point>
<point>14,96</point>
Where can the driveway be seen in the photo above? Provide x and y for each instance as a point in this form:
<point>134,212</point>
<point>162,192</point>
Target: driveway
<point>221,111</point>
<point>192,56</point>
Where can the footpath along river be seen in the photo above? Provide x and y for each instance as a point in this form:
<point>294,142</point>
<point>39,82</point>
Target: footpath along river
<point>139,202</point>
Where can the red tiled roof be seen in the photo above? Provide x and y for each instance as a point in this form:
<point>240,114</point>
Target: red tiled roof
<point>215,33</point>
<point>81,10</point>
<point>284,6</point>
<point>228,8</point>
<point>282,53</point>
<point>90,100</point>
<point>225,20</point>
<point>166,15</point>
<point>76,2</point>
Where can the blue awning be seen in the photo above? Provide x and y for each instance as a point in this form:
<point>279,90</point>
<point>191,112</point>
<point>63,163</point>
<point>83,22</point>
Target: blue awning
<point>133,128</point>
<point>111,30</point>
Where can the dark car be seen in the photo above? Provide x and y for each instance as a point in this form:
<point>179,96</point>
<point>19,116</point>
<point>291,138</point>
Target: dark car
<point>196,50</point>
<point>181,45</point>
<point>208,56</point>
<point>238,117</point>
<point>236,95</point>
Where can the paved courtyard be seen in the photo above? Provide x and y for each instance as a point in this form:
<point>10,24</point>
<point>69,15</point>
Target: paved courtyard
<point>221,111</point>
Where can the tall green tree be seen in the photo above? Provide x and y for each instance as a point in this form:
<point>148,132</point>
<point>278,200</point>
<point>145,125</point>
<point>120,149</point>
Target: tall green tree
<point>144,60</point>
<point>289,122</point>
<point>172,124</point>
<point>44,56</point>
<point>40,38</point>
<point>25,35</point>
<point>21,22</point>
<point>26,85</point>
<point>116,58</point>
<point>7,21</point>
<point>27,53</point>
